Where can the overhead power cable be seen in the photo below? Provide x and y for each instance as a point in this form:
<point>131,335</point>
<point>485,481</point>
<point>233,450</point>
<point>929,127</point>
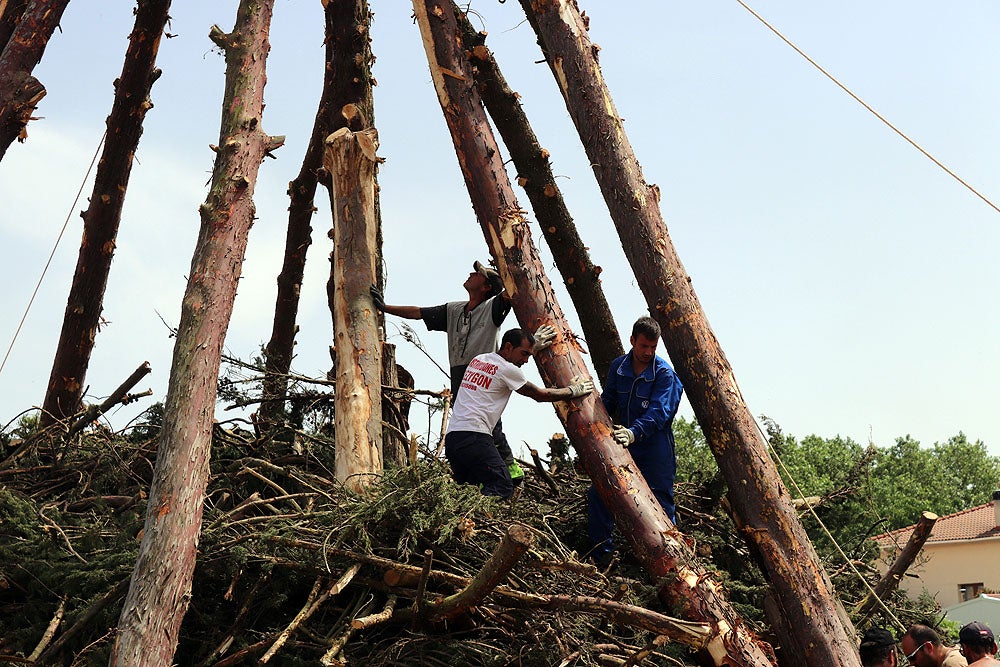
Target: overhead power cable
<point>869,108</point>
<point>52,254</point>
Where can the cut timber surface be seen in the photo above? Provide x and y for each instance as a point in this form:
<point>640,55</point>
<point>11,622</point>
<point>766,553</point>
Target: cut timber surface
<point>350,159</point>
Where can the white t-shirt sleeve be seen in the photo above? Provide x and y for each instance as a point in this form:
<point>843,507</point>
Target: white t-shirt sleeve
<point>513,377</point>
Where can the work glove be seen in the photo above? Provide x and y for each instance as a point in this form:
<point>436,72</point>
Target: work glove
<point>543,338</point>
<point>580,387</point>
<point>516,474</point>
<point>377,299</point>
<point>623,436</point>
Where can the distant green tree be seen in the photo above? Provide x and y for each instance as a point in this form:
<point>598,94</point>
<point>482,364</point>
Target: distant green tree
<point>908,479</point>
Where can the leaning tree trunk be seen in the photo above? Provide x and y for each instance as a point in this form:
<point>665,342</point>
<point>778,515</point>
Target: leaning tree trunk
<point>818,632</point>
<point>350,160</point>
<point>890,582</point>
<point>581,277</point>
<point>347,84</point>
<point>657,544</point>
<point>19,91</point>
<point>161,582</point>
<point>102,217</point>
<point>11,12</point>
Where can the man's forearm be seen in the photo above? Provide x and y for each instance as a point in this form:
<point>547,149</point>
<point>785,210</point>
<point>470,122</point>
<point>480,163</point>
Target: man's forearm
<point>409,312</point>
<point>545,394</point>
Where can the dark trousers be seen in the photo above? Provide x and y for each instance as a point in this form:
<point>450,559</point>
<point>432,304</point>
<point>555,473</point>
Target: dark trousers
<point>474,459</point>
<point>657,465</point>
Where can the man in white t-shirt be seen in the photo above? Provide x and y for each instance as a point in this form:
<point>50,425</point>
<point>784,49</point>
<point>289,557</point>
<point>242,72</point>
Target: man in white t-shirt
<point>486,387</point>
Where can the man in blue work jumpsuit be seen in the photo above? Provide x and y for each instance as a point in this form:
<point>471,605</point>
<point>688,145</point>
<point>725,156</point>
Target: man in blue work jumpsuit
<point>641,394</point>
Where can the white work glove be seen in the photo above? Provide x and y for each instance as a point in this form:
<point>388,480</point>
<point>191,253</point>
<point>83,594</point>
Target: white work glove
<point>543,338</point>
<point>623,436</point>
<point>580,387</point>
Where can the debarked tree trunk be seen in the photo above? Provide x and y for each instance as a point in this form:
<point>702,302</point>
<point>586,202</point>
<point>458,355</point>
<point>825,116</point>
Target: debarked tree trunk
<point>656,543</point>
<point>102,218</point>
<point>19,90</point>
<point>580,276</point>
<point>350,159</point>
<point>160,590</point>
<point>818,630</point>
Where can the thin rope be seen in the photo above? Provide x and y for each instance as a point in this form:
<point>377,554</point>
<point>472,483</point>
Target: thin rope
<point>850,563</point>
<point>45,270</point>
<point>866,106</point>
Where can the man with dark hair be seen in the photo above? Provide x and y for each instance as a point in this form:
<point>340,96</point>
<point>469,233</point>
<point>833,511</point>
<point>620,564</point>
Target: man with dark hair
<point>978,644</point>
<point>642,395</point>
<point>483,393</point>
<point>878,648</point>
<point>473,328</point>
<point>924,648</point>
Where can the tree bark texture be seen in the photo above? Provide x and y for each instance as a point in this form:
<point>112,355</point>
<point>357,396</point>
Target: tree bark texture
<point>103,216</point>
<point>350,159</point>
<point>581,277</point>
<point>656,543</point>
<point>395,408</point>
<point>161,582</point>
<point>515,543</point>
<point>19,91</point>
<point>11,12</point>
<point>818,634</point>
<point>347,84</point>
<point>119,395</point>
<point>890,582</point>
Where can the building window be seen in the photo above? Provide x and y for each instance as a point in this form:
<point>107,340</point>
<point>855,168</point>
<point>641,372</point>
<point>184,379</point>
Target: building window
<point>969,591</point>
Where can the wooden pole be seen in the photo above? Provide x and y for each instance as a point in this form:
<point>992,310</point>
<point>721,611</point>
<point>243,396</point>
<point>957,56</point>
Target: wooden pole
<point>103,215</point>
<point>350,159</point>
<point>160,589</point>
<point>890,581</point>
<point>347,84</point>
<point>656,543</point>
<point>19,91</point>
<point>580,276</point>
<point>819,633</point>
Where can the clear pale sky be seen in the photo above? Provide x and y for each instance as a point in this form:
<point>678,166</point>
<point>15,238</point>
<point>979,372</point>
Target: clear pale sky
<point>850,281</point>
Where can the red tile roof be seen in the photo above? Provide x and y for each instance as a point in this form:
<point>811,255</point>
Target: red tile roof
<point>971,524</point>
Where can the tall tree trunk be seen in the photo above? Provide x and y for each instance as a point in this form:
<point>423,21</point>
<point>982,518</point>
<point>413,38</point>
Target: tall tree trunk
<point>347,83</point>
<point>11,12</point>
<point>581,277</point>
<point>350,159</point>
<point>890,582</point>
<point>819,632</point>
<point>395,408</point>
<point>161,582</point>
<point>19,91</point>
<point>102,217</point>
<point>657,544</point>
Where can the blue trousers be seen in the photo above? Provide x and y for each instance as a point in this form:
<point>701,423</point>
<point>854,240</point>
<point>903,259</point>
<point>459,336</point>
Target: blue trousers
<point>474,459</point>
<point>658,466</point>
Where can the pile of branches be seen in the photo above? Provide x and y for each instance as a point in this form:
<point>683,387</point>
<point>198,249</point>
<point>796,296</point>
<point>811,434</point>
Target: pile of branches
<point>294,569</point>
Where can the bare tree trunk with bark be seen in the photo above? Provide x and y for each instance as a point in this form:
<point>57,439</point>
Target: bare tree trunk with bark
<point>657,544</point>
<point>19,91</point>
<point>161,582</point>
<point>581,277</point>
<point>347,83</point>
<point>395,407</point>
<point>103,216</point>
<point>350,159</point>
<point>11,12</point>
<point>890,582</point>
<point>819,632</point>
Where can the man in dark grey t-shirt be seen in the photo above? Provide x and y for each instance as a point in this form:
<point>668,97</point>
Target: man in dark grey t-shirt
<point>473,328</point>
